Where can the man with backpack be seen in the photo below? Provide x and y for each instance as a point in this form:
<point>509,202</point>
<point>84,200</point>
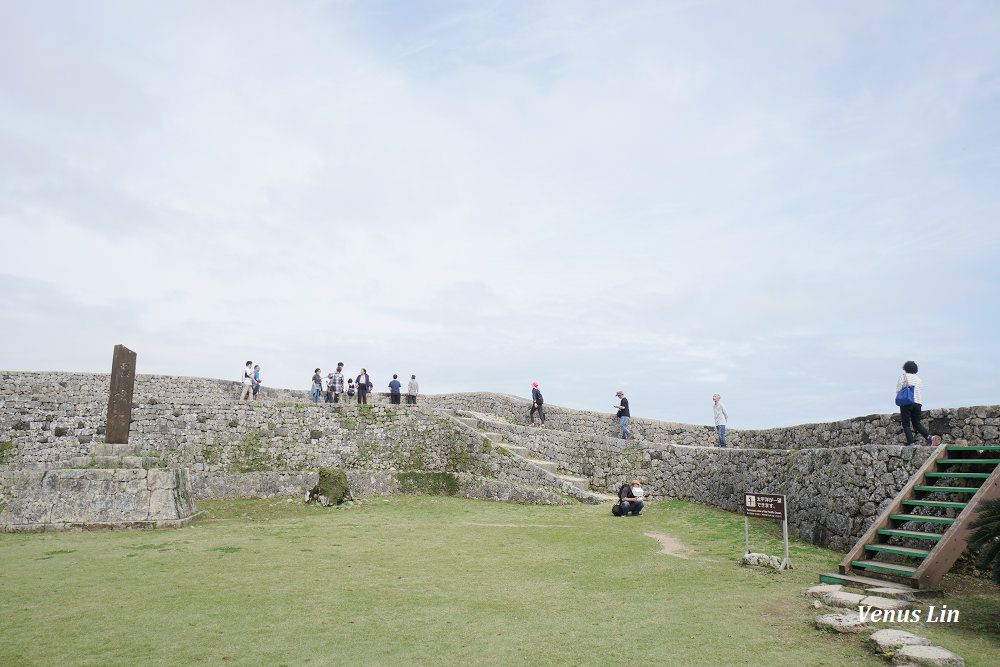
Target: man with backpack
<point>631,497</point>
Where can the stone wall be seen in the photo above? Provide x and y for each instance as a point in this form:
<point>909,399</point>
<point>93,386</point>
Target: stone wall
<point>85,499</point>
<point>366,484</point>
<point>834,493</point>
<point>214,434</point>
<point>837,475</point>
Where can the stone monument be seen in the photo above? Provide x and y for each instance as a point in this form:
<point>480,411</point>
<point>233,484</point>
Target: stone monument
<point>120,396</point>
<point>113,488</point>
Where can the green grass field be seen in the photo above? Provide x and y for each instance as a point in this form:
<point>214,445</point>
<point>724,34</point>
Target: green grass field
<point>429,581</point>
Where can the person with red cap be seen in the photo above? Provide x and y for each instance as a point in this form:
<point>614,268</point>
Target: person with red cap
<point>623,415</point>
<point>536,404</point>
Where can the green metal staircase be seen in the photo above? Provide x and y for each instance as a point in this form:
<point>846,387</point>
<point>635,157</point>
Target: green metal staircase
<point>924,531</point>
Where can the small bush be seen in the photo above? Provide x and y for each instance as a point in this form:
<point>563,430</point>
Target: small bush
<point>986,539</point>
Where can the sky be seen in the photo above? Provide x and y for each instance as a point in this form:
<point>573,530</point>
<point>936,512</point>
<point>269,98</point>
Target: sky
<point>779,202</point>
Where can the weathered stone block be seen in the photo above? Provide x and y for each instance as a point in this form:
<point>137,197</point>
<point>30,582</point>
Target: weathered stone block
<point>889,640</point>
<point>929,656</point>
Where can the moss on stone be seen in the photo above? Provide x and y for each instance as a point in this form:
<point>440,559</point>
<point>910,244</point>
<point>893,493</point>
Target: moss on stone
<point>6,449</point>
<point>429,483</point>
<point>333,485</point>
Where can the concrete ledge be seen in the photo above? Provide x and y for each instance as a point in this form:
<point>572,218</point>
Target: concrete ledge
<point>69,527</point>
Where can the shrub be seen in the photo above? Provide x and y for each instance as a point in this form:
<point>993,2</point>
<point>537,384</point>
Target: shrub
<point>986,538</point>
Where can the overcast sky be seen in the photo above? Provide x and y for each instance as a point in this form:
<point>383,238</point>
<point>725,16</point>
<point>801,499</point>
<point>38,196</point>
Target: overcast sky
<point>777,201</point>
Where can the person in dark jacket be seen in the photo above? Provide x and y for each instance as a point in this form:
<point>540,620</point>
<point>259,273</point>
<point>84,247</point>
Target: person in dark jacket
<point>536,404</point>
<point>632,498</point>
<point>364,385</point>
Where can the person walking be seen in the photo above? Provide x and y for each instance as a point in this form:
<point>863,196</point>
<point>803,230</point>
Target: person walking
<point>247,390</point>
<point>364,384</point>
<point>536,404</point>
<point>412,390</point>
<point>317,386</point>
<point>721,417</point>
<point>256,382</point>
<point>623,415</point>
<point>909,407</point>
<point>328,394</point>
<point>394,388</point>
<point>338,382</point>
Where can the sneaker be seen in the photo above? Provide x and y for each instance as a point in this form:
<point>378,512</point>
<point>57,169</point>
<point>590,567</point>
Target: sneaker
<point>932,441</point>
<point>630,436</point>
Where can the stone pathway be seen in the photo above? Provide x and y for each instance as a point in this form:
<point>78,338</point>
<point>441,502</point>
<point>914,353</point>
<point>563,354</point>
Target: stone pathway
<point>898,646</point>
<point>581,483</point>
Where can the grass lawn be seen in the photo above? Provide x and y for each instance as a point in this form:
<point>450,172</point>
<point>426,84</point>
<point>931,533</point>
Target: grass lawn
<point>428,581</point>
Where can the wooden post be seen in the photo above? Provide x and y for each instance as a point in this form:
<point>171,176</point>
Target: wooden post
<point>120,396</point>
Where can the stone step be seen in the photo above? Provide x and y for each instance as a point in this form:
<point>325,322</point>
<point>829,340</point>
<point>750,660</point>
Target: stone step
<point>544,465</point>
<point>581,483</point>
<point>469,421</point>
<point>446,411</point>
<point>104,449</point>
<point>866,583</point>
<point>494,437</point>
<point>109,462</point>
<point>515,449</point>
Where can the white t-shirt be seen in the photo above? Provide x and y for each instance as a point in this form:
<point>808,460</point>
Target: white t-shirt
<point>247,375</point>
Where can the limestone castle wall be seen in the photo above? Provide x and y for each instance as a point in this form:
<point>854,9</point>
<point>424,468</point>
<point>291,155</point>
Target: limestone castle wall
<point>834,493</point>
<point>837,475</point>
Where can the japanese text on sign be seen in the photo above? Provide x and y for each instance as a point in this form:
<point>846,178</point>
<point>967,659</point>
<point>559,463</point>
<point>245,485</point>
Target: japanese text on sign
<point>766,505</point>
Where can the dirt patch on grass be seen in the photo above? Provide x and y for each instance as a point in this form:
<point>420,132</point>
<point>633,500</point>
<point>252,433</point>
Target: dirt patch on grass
<point>671,545</point>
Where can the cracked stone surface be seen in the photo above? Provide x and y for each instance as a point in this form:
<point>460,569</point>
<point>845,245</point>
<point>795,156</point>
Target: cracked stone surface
<point>928,656</point>
<point>843,622</point>
<point>888,640</point>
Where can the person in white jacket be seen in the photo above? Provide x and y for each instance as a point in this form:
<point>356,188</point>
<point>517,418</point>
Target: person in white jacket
<point>721,417</point>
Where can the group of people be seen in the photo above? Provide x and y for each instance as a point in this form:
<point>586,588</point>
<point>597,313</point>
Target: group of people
<point>251,382</point>
<point>332,387</point>
<point>909,402</point>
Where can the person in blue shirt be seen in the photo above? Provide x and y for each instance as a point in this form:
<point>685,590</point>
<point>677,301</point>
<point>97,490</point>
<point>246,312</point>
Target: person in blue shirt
<point>394,390</point>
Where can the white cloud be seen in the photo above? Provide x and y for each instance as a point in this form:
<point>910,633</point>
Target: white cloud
<point>778,203</point>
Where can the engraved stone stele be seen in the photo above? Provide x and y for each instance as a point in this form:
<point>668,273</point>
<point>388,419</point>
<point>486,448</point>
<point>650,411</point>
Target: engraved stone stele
<point>120,395</point>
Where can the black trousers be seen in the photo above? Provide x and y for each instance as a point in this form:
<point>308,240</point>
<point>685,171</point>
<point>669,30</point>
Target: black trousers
<point>394,399</point>
<point>362,394</point>
<point>911,413</point>
<point>411,399</point>
<point>541,413</point>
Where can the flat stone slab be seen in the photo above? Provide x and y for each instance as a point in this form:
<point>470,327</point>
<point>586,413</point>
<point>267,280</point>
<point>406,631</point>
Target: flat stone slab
<point>928,656</point>
<point>843,622</point>
<point>889,640</point>
<point>884,603</point>
<point>819,591</point>
<point>895,593</point>
<point>842,599</point>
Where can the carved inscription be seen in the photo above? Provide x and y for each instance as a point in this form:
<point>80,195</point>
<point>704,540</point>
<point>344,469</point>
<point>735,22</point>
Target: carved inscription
<point>120,397</point>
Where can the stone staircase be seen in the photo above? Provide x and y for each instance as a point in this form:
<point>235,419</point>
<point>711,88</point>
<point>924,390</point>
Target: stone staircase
<point>921,534</point>
<point>581,483</point>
